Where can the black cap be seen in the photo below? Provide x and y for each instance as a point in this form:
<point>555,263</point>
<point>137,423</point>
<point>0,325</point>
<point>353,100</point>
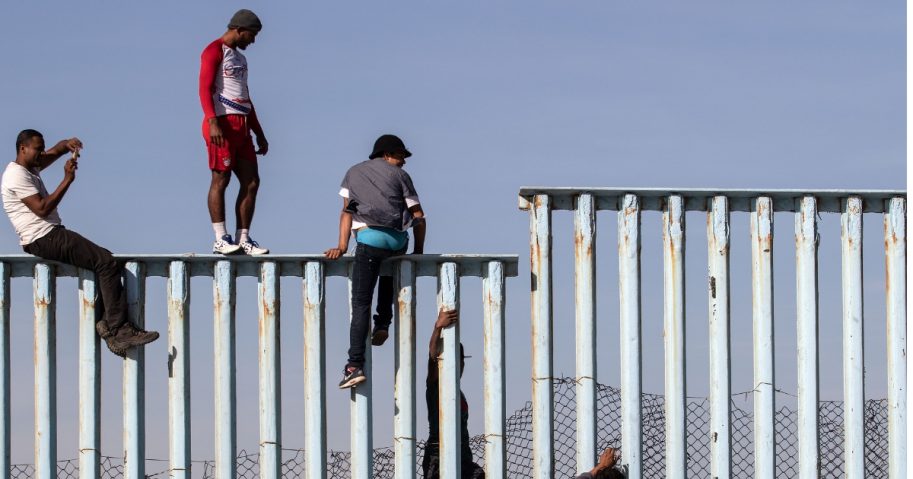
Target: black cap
<point>389,144</point>
<point>245,19</point>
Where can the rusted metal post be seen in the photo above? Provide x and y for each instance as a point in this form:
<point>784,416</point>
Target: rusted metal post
<point>807,336</point>
<point>134,386</point>
<point>360,412</point>
<point>315,394</point>
<point>89,380</point>
<point>585,301</point>
<point>720,384</point>
<point>448,365</point>
<point>45,372</point>
<point>225,405</point>
<point>493,301</point>
<point>404,372</point>
<point>853,383</point>
<point>179,370</point>
<point>674,335</point>
<point>630,337</point>
<point>5,435</point>
<point>540,230</point>
<point>761,225</point>
<point>270,372</point>
<point>895,241</point>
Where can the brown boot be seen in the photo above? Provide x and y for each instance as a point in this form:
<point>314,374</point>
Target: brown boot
<point>125,337</point>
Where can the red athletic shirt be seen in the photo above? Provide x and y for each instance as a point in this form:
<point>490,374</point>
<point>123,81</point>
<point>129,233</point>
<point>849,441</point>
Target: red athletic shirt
<point>223,82</point>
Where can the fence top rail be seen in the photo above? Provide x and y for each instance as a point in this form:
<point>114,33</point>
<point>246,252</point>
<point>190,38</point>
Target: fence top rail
<point>22,265</point>
<point>697,199</point>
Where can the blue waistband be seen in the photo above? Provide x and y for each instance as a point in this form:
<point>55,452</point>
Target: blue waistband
<point>384,238</point>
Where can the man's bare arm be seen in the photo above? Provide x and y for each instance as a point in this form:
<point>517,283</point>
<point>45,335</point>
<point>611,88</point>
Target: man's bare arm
<point>345,232</point>
<point>43,206</point>
<point>418,229</point>
<point>47,158</point>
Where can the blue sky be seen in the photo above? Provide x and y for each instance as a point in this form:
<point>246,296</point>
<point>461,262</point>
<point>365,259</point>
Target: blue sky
<point>488,98</point>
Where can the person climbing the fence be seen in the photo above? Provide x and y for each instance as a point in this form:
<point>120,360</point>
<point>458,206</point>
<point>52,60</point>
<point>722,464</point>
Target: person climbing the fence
<point>33,213</point>
<point>431,459</point>
<point>229,118</point>
<point>605,468</point>
<point>379,203</point>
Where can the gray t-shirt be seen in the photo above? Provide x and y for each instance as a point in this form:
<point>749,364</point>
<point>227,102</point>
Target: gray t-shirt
<point>379,194</point>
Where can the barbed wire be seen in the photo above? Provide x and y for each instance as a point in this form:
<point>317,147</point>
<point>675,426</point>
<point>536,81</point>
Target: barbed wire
<point>520,452</point>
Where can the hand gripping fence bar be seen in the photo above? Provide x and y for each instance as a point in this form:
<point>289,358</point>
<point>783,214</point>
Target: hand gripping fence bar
<point>314,271</point>
<point>540,202</point>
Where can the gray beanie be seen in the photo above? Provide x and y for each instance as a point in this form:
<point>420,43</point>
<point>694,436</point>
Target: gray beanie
<point>245,19</point>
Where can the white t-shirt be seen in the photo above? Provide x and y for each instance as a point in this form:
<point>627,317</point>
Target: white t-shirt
<point>18,182</point>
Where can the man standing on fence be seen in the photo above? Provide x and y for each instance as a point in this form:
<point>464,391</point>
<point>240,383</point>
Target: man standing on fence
<point>33,213</point>
<point>431,459</point>
<point>229,118</point>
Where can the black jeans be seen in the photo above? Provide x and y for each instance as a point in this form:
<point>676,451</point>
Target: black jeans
<point>364,276</point>
<point>69,247</point>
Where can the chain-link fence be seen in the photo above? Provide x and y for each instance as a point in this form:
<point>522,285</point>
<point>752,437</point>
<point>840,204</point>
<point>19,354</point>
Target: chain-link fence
<point>519,442</point>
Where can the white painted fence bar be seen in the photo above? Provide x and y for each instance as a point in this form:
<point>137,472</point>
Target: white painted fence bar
<point>361,414</point>
<point>313,269</point>
<point>404,372</point>
<point>270,372</point>
<point>674,336</point>
<point>5,395</point>
<point>89,380</point>
<point>585,301</point>
<point>807,336</point>
<point>134,393</point>
<point>540,230</point>
<point>761,225</point>
<point>853,355</point>
<point>761,204</point>
<point>315,389</point>
<point>226,461</point>
<point>720,361</point>
<point>45,372</point>
<point>895,236</point>
<point>179,370</point>
<point>493,303</point>
<point>630,347</point>
<point>448,365</point>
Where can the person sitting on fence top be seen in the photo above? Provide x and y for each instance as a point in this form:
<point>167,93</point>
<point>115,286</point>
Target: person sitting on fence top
<point>431,459</point>
<point>605,468</point>
<point>379,203</point>
<point>33,213</point>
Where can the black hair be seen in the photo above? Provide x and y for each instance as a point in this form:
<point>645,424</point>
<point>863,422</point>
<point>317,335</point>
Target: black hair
<point>26,135</point>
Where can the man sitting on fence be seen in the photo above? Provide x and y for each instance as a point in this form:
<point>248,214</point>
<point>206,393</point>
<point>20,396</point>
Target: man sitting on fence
<point>33,213</point>
<point>431,459</point>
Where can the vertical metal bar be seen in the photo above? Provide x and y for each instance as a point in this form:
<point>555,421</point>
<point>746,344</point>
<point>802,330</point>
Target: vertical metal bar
<point>5,445</point>
<point>720,384</point>
<point>762,229</point>
<point>179,370</point>
<point>540,230</point>
<point>225,404</point>
<point>134,386</point>
<point>895,241</point>
<point>585,301</point>
<point>449,375</point>
<point>630,347</point>
<point>493,301</point>
<point>89,380</point>
<point>270,386</point>
<point>315,394</point>
<point>674,335</point>
<point>404,372</point>
<point>362,422</point>
<point>853,354</point>
<point>807,336</point>
<point>45,372</point>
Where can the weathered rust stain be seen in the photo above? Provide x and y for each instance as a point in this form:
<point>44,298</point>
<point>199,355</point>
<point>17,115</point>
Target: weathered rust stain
<point>713,287</point>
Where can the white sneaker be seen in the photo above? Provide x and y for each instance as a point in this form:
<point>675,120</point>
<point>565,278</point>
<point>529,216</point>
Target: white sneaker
<point>225,246</point>
<point>252,248</point>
